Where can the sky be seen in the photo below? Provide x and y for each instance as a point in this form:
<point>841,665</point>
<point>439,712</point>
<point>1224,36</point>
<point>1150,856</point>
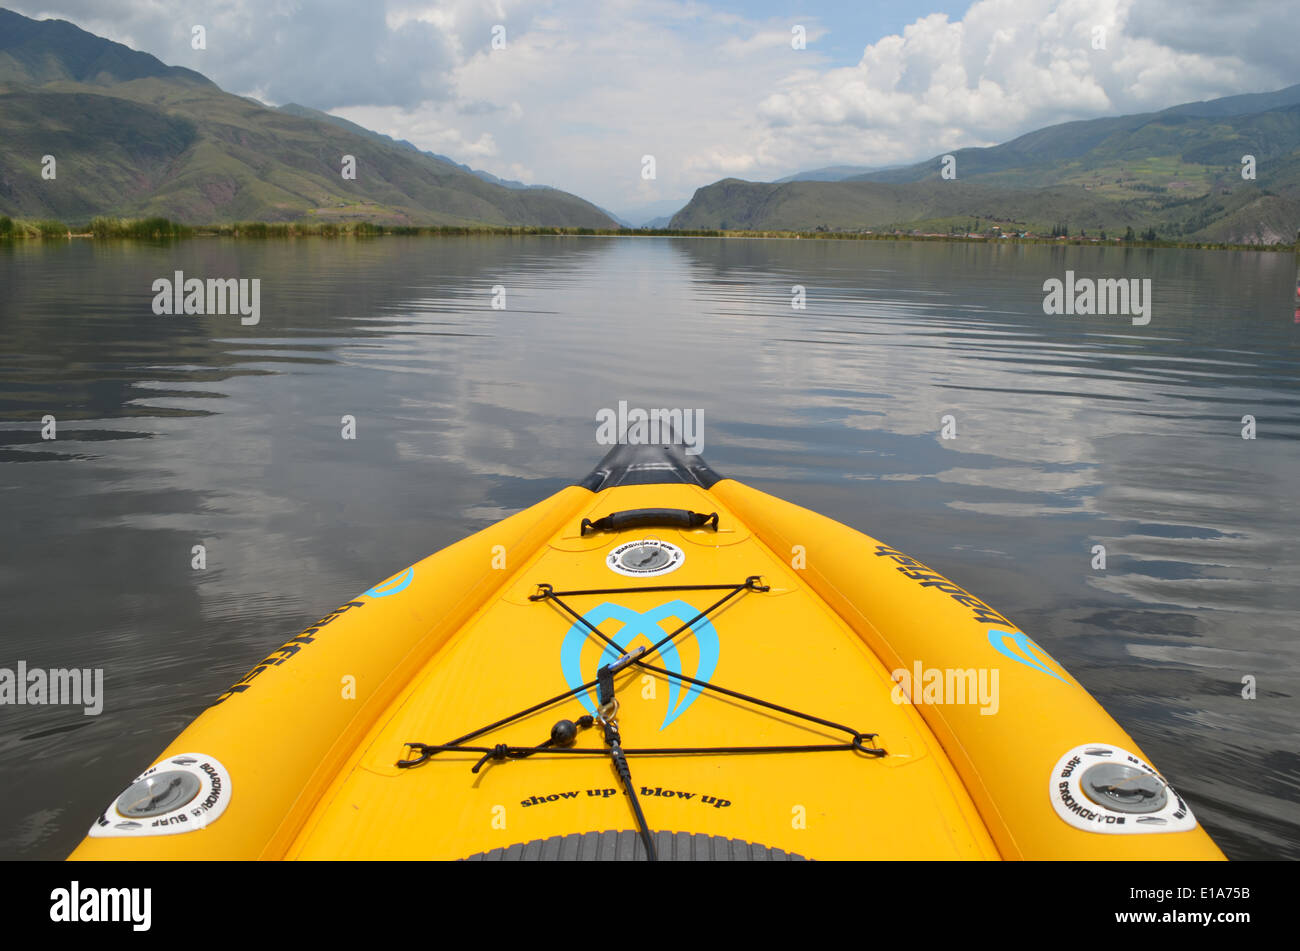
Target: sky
<point>579,92</point>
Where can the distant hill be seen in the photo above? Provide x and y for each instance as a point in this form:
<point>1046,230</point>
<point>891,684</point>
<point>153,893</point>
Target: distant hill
<point>803,206</point>
<point>134,137</point>
<point>1177,171</point>
<point>640,216</point>
<point>831,173</point>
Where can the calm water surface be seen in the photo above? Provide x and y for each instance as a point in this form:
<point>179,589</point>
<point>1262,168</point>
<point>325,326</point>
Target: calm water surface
<point>1071,432</point>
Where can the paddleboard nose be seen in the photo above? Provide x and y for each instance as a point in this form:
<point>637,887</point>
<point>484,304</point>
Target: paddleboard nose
<point>651,464</point>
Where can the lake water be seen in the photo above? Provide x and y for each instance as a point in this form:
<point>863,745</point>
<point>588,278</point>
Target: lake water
<point>1071,432</point>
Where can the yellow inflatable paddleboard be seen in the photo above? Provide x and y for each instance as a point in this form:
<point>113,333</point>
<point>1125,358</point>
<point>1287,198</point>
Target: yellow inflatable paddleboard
<point>655,663</point>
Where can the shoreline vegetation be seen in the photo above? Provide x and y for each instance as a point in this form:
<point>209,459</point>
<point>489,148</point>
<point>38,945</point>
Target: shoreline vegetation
<point>163,229</point>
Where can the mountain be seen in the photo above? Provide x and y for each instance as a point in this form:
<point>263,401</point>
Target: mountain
<point>1177,171</point>
<point>36,52</point>
<point>486,176</point>
<point>1193,141</point>
<point>831,173</point>
<point>640,216</point>
<point>804,206</point>
<point>134,137</point>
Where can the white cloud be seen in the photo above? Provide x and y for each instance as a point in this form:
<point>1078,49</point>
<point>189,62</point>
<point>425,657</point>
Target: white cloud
<point>714,160</point>
<point>1007,67</point>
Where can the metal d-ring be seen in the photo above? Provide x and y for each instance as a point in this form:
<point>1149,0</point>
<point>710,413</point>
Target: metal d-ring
<point>607,712</point>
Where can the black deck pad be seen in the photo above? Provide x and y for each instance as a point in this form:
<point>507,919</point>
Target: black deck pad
<point>625,846</point>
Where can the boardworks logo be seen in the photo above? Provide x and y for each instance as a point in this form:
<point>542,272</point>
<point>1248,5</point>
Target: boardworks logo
<point>645,625</point>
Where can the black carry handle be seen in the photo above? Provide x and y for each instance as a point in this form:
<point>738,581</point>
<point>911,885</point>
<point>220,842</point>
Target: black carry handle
<point>644,518</point>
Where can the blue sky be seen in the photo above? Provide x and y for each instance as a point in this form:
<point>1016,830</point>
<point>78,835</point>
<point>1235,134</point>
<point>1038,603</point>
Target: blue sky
<point>584,90</point>
<point>851,26</point>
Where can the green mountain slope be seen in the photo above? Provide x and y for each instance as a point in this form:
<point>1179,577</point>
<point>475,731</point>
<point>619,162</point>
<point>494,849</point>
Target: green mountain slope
<point>800,206</point>
<point>43,51</point>
<point>1195,148</point>
<point>135,138</point>
<point>1178,171</point>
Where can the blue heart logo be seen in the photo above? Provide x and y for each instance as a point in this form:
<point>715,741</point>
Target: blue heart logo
<point>636,624</point>
<point>1018,646</point>
<point>390,586</point>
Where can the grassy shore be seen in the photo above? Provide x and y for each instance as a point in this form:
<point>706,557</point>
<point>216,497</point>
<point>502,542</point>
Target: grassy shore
<point>161,228</point>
